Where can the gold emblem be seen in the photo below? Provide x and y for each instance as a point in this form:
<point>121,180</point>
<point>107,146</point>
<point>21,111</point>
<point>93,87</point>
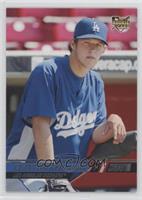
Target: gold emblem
<point>120,24</point>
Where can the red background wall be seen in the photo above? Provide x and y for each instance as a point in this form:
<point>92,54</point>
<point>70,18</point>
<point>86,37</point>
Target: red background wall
<point>122,99</point>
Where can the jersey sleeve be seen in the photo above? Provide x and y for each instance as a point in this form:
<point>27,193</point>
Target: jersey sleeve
<point>101,110</point>
<point>39,95</point>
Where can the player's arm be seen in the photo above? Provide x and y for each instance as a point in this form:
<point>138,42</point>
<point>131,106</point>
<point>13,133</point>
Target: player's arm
<point>43,138</point>
<point>113,127</point>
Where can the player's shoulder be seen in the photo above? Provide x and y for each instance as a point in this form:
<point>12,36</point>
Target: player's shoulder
<point>50,65</point>
<point>96,76</point>
<point>97,81</point>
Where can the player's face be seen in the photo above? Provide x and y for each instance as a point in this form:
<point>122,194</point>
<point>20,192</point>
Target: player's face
<point>88,51</point>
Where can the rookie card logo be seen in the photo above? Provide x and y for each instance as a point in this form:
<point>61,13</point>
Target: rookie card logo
<point>120,24</point>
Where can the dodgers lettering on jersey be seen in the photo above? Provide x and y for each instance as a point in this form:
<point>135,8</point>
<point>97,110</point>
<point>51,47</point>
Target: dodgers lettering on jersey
<point>75,104</point>
<point>77,124</point>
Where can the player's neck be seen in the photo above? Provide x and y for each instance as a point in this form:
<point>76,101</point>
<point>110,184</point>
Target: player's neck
<point>76,67</point>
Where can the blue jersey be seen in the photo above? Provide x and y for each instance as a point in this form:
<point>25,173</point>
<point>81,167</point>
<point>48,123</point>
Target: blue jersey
<point>75,104</point>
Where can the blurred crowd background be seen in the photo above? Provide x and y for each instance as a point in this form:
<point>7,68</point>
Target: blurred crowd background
<point>52,28</point>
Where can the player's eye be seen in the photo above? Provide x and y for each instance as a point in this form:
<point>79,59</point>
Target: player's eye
<point>93,46</point>
<point>98,46</point>
<point>86,44</point>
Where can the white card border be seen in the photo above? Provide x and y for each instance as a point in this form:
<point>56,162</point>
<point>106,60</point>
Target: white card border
<point>64,3</point>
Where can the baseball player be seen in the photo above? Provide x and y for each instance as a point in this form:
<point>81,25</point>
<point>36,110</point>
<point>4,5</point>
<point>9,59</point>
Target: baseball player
<point>63,104</point>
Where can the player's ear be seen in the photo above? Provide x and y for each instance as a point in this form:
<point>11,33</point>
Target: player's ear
<point>105,48</point>
<point>72,44</point>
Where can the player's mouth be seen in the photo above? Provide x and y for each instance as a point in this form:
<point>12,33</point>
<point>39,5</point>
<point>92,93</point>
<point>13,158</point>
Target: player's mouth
<point>90,57</point>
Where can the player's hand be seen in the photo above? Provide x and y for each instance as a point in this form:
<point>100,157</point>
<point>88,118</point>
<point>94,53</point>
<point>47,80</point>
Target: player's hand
<point>116,127</point>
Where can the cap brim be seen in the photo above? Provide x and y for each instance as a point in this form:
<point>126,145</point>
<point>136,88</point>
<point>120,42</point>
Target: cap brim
<point>91,36</point>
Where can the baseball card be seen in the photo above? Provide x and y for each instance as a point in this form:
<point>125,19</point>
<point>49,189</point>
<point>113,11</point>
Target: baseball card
<point>72,115</point>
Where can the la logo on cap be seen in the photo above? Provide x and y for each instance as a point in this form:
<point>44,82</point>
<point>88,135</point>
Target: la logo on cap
<point>96,27</point>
